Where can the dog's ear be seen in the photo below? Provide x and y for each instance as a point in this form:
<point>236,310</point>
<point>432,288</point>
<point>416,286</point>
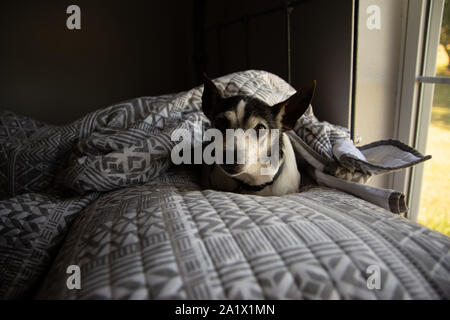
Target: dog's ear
<point>287,112</point>
<point>211,96</point>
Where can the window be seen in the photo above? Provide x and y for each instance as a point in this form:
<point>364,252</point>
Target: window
<point>433,209</point>
<point>424,119</point>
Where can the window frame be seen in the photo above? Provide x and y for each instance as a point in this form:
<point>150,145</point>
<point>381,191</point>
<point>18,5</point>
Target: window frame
<point>417,81</point>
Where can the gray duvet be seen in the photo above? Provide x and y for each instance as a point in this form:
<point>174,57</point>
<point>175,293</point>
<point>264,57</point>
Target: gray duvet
<point>101,194</point>
<point>170,240</point>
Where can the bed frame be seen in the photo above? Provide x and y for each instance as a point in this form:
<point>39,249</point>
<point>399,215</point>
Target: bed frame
<point>200,30</point>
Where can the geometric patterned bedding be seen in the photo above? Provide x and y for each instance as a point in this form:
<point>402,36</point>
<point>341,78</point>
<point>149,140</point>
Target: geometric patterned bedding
<point>170,240</point>
<point>32,227</point>
<point>98,193</point>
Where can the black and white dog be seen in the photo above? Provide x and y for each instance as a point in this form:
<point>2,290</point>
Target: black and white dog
<point>240,112</point>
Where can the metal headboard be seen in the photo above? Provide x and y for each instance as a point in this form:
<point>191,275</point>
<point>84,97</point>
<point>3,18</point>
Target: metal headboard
<point>200,55</point>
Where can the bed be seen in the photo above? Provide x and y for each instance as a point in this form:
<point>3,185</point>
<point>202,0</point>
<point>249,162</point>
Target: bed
<point>101,194</point>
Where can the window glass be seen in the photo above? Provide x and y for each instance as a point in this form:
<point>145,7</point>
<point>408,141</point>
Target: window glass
<point>434,211</point>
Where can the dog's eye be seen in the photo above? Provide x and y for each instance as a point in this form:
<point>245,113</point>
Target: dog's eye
<point>260,126</point>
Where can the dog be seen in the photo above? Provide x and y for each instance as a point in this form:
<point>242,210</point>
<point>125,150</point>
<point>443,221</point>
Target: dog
<point>258,177</point>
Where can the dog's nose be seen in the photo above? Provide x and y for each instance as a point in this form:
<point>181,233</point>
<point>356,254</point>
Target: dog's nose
<point>231,168</point>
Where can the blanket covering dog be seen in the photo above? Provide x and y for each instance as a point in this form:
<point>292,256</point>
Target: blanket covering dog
<point>135,242</point>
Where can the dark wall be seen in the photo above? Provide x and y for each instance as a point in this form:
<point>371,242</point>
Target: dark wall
<point>134,48</point>
<point>124,49</point>
<point>231,48</point>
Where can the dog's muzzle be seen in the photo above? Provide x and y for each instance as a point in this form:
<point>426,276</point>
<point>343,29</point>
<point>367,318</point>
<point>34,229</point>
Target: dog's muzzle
<point>232,169</point>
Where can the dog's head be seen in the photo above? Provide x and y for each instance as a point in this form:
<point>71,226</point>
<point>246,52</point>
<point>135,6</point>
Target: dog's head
<point>253,122</point>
